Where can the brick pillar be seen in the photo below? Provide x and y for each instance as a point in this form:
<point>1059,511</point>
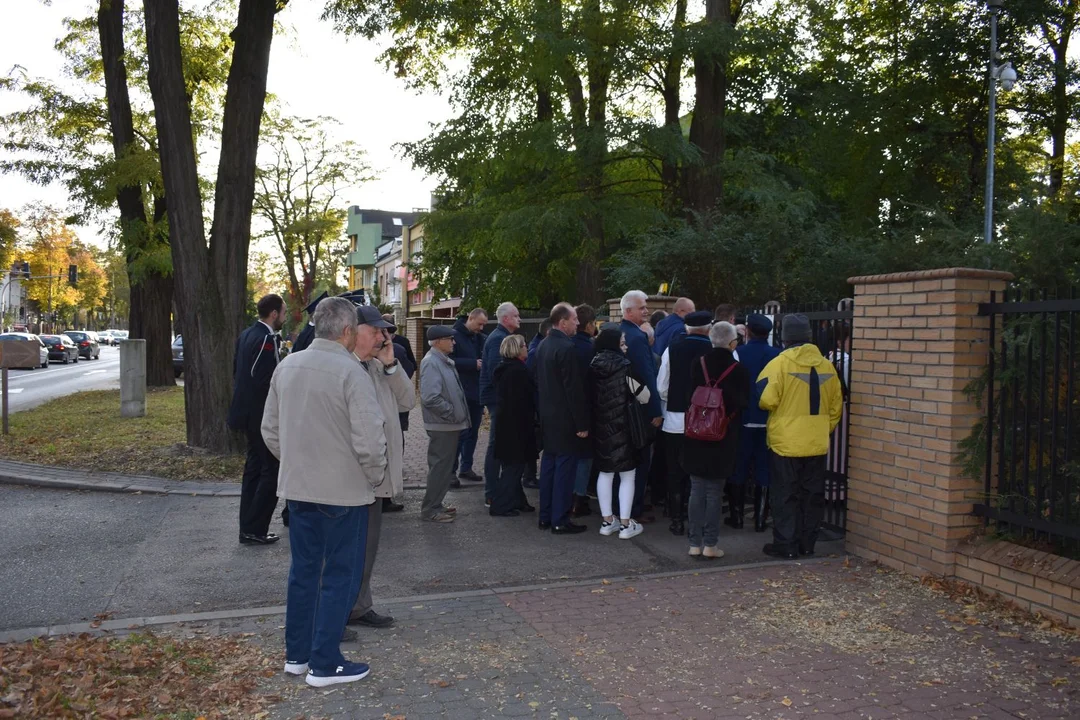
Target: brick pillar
<point>918,341</point>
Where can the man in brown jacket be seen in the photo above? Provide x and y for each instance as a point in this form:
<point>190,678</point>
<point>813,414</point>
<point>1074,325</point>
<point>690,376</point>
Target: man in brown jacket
<point>324,421</point>
<point>396,395</point>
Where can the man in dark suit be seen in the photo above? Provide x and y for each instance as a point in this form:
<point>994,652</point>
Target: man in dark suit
<point>635,313</point>
<point>256,358</point>
<point>564,420</point>
<point>308,333</point>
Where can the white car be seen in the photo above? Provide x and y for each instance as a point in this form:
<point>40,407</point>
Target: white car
<point>43,355</point>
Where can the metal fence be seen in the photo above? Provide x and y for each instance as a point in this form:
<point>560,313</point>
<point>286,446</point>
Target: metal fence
<point>831,328</point>
<point>1031,473</point>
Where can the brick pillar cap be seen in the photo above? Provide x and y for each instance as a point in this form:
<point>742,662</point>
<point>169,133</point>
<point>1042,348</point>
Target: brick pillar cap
<point>931,275</point>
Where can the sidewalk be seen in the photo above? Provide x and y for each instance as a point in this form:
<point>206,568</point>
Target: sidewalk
<point>829,639</point>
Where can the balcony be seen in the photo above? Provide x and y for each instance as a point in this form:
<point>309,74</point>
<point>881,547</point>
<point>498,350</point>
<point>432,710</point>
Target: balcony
<point>359,259</point>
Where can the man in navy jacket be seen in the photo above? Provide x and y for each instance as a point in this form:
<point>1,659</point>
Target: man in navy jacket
<point>673,328</point>
<point>583,346</point>
<point>256,358</point>
<point>467,356</point>
<point>635,313</point>
<point>509,320</point>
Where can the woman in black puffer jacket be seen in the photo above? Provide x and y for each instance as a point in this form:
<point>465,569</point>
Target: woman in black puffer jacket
<point>613,451</point>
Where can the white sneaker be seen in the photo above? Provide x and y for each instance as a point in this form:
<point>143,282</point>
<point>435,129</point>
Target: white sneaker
<point>631,530</point>
<point>609,528</point>
<point>295,668</point>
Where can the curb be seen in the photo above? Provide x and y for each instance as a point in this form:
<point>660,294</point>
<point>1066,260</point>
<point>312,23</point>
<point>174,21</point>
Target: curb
<point>24,634</point>
<point>48,476</point>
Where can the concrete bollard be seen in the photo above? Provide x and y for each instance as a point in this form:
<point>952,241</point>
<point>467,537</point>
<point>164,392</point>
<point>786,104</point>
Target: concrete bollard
<point>132,378</point>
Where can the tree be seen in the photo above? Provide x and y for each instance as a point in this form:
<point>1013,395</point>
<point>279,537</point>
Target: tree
<point>298,190</point>
<point>50,246</point>
<point>90,135</point>
<point>210,273</point>
<point>9,237</point>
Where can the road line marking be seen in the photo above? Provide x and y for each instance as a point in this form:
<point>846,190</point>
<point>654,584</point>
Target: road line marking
<point>94,372</point>
<point>12,391</point>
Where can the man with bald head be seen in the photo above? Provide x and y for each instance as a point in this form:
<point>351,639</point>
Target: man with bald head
<point>673,328</point>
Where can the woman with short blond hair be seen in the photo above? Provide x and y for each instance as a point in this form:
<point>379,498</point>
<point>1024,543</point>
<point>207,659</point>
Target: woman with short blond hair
<point>515,442</point>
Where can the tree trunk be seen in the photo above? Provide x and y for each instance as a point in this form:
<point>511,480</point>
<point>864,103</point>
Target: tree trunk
<point>1059,118</point>
<point>151,292</point>
<point>673,69</point>
<point>704,181</point>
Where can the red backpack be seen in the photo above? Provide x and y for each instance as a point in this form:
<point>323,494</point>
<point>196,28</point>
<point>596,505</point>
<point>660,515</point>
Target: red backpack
<point>707,419</point>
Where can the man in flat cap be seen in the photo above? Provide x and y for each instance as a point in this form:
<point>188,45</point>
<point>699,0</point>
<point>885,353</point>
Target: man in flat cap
<point>753,450</point>
<point>801,392</point>
<point>675,389</point>
<point>446,414</point>
<point>303,340</point>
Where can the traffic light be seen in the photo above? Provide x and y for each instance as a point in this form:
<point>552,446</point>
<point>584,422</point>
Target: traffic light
<point>73,275</point>
<point>25,267</point>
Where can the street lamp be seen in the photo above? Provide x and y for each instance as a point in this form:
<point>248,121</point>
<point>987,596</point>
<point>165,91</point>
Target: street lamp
<point>1006,75</point>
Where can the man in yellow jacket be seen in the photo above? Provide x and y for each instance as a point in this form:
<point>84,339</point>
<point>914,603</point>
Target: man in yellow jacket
<point>802,394</point>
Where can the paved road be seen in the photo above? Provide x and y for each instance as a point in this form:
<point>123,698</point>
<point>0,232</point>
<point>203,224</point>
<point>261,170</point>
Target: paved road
<point>30,388</point>
<point>70,555</point>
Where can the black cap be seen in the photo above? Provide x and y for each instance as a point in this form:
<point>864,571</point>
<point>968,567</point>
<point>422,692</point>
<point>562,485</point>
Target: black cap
<point>438,332</point>
<point>370,315</point>
<point>758,324</point>
<point>701,318</point>
<point>310,309</point>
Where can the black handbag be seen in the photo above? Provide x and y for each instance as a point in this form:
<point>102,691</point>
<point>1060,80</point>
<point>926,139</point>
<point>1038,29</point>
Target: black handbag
<point>642,432</point>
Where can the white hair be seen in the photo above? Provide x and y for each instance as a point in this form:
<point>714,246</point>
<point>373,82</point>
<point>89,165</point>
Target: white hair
<point>505,309</point>
<point>332,317</point>
<point>630,297</point>
<point>722,334</point>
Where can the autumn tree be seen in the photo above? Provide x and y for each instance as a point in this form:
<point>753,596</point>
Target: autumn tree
<point>298,196</point>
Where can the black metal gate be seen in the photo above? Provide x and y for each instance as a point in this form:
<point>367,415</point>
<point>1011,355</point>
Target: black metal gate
<point>832,333</point>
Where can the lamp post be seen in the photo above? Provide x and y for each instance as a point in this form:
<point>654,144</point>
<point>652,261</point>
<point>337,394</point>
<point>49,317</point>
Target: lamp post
<point>1007,77</point>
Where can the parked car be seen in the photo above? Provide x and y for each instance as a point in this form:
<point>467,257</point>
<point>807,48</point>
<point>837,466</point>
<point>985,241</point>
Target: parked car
<point>86,342</point>
<point>119,335</point>
<point>105,337</point>
<point>43,354</point>
<point>61,348</point>
<point>178,356</point>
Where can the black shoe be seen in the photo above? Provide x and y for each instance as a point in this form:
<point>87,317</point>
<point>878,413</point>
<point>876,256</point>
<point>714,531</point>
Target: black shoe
<point>532,484</point>
<point>568,529</point>
<point>677,527</point>
<point>267,539</point>
<point>543,525</point>
<point>779,551</point>
<point>470,475</point>
<point>526,508</point>
<point>388,506</point>
<point>372,619</point>
<point>580,508</point>
<point>508,513</point>
<point>455,484</point>
<point>761,508</point>
<point>806,553</point>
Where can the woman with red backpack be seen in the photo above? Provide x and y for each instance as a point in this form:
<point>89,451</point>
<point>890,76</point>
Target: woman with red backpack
<point>721,391</point>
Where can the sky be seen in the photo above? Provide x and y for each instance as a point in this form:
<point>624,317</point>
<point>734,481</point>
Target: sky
<point>313,71</point>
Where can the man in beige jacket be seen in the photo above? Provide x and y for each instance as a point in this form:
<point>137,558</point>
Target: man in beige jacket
<point>324,421</point>
<point>396,395</point>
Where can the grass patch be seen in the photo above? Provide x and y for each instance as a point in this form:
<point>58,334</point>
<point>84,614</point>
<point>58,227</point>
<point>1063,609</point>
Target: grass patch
<point>143,676</point>
<point>85,431</point>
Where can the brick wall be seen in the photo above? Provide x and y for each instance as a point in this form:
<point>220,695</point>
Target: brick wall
<point>1036,581</point>
<point>917,342</point>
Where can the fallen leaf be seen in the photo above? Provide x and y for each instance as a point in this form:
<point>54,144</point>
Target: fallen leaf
<point>786,702</point>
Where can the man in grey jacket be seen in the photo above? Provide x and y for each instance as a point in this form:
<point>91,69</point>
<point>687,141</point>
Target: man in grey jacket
<point>324,422</point>
<point>396,395</point>
<point>446,414</point>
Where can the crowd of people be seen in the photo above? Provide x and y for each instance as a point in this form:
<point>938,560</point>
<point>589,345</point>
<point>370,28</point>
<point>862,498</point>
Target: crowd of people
<point>657,410</point>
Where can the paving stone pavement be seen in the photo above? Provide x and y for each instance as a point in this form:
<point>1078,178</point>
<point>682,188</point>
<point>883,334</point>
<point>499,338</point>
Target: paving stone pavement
<point>833,640</point>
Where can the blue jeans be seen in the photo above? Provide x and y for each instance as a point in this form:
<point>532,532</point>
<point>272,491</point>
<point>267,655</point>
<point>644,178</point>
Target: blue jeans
<point>706,499</point>
<point>556,487</point>
<point>328,543</point>
<point>581,477</point>
<point>467,440</point>
<point>491,465</point>
<point>752,446</point>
